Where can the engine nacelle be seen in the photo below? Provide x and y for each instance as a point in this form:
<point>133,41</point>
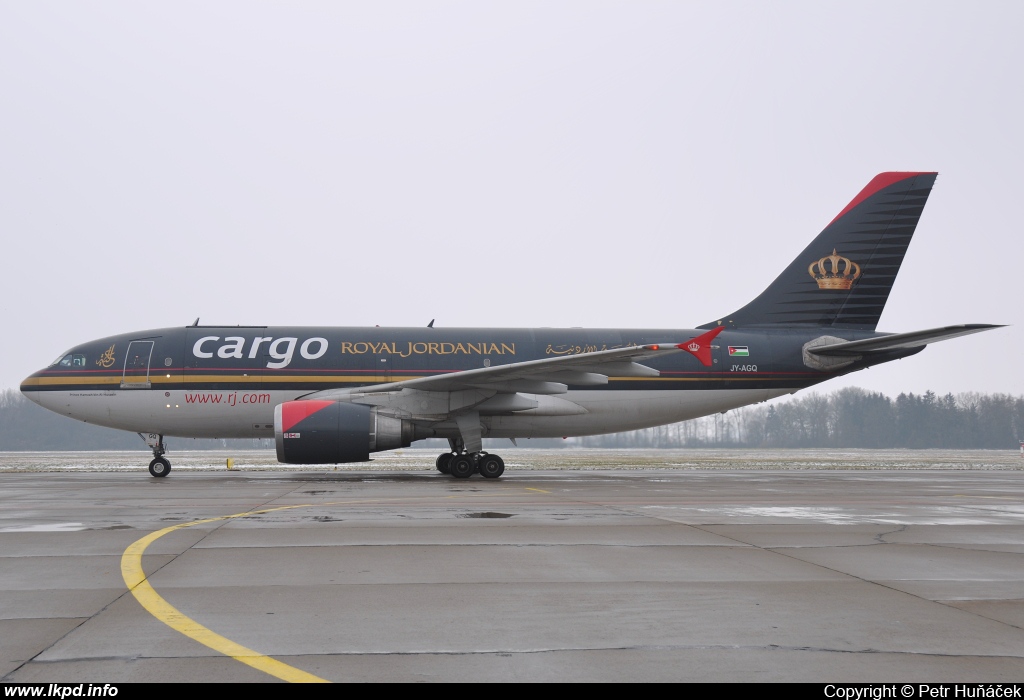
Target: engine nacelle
<point>332,432</point>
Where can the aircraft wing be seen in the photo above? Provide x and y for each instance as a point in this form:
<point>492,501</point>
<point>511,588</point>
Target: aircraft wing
<point>550,375</point>
<point>900,341</point>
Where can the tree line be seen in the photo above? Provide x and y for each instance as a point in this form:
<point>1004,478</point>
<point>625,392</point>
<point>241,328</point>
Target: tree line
<point>850,418</point>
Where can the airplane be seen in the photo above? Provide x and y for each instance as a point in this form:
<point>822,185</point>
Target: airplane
<point>337,395</point>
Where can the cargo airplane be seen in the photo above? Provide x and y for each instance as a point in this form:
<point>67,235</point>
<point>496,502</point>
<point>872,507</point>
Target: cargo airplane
<point>336,395</point>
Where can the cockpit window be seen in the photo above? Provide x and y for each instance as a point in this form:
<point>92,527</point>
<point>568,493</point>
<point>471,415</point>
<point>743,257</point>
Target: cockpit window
<point>69,360</point>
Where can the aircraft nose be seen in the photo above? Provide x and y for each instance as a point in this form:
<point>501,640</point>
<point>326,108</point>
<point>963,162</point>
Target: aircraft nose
<point>30,387</point>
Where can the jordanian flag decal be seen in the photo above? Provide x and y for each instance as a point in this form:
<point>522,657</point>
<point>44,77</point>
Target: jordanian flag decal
<point>738,351</point>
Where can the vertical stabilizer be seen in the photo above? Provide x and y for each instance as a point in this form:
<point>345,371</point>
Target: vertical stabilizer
<point>844,276</point>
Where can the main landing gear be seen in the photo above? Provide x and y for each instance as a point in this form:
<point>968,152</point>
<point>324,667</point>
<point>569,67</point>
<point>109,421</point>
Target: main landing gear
<point>159,466</point>
<point>462,464</point>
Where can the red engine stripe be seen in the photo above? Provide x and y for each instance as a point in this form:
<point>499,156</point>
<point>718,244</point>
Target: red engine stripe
<point>294,411</point>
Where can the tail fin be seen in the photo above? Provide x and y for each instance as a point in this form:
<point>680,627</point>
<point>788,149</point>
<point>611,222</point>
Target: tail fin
<point>844,276</point>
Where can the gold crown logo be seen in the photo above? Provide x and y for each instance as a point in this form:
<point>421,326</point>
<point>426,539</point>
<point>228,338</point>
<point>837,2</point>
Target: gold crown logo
<point>834,271</point>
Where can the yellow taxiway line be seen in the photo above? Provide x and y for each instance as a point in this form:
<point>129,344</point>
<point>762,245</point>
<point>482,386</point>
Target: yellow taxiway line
<point>135,578</point>
<point>138,584</point>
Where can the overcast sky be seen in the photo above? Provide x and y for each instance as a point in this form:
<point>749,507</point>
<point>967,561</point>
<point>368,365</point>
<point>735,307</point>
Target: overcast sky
<point>602,164</point>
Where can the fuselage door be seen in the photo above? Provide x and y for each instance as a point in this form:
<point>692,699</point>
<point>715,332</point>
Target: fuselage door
<point>136,365</point>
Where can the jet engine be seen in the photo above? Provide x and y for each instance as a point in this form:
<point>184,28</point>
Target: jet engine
<point>332,432</point>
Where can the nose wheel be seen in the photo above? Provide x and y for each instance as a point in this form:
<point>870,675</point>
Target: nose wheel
<point>159,467</point>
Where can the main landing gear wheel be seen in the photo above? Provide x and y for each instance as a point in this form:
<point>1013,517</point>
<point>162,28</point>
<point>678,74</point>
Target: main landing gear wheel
<point>491,466</point>
<point>159,467</point>
<point>462,466</point>
<point>444,462</point>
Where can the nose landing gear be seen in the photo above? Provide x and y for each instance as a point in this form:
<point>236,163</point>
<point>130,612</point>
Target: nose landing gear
<point>159,467</point>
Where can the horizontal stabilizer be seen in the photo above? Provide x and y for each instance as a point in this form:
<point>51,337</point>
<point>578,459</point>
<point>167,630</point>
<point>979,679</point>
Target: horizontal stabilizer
<point>900,341</point>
